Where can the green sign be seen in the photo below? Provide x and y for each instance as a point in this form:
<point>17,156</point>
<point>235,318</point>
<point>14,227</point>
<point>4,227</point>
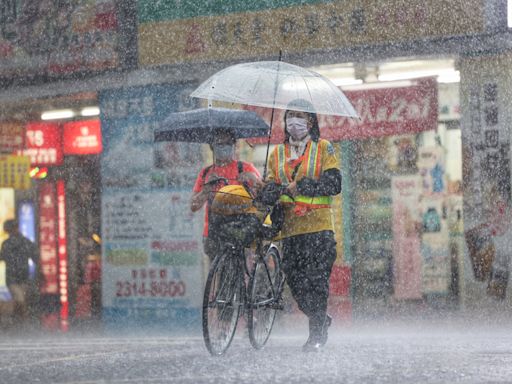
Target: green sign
<point>160,10</point>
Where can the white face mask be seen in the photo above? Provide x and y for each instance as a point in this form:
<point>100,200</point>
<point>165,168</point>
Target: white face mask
<point>297,127</point>
<point>224,151</point>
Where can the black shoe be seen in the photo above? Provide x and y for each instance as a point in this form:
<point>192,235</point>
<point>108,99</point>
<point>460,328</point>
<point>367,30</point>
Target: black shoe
<point>312,345</point>
<point>325,327</point>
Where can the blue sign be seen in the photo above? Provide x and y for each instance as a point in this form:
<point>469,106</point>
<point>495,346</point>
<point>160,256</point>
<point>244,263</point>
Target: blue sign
<point>130,159</point>
<point>26,220</point>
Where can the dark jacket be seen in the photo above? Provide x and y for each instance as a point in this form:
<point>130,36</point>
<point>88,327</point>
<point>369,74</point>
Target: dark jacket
<point>16,251</point>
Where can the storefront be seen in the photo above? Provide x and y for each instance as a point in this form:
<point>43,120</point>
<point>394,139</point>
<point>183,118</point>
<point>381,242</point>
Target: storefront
<point>399,219</point>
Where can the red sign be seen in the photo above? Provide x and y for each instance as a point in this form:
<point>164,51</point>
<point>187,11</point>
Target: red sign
<point>382,112</point>
<point>43,144</point>
<point>82,137</point>
<point>12,136</point>
<point>63,255</point>
<point>47,237</point>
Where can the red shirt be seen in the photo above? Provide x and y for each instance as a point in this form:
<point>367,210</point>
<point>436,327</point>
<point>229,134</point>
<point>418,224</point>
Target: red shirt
<point>229,172</point>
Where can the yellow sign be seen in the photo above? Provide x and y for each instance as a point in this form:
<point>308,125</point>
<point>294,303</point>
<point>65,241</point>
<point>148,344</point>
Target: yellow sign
<point>14,172</point>
<point>305,28</point>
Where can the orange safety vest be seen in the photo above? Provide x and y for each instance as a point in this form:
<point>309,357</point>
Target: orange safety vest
<point>311,162</point>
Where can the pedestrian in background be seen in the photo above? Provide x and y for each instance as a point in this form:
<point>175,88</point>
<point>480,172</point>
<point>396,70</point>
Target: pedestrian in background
<point>16,252</point>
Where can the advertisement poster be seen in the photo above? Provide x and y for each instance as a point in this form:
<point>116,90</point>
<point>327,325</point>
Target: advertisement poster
<point>405,191</point>
<point>152,244</point>
<point>436,267</point>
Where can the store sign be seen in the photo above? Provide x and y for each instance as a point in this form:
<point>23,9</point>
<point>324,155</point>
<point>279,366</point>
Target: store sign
<point>42,39</point>
<point>382,112</point>
<point>82,137</point>
<point>407,262</point>
<point>14,172</point>
<point>11,136</point>
<point>47,238</point>
<point>43,144</point>
<point>150,10</point>
<point>179,36</point>
<point>63,255</point>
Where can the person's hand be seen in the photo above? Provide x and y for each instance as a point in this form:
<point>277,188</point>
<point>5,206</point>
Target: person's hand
<point>292,189</point>
<point>211,183</point>
<point>250,179</point>
<point>247,177</point>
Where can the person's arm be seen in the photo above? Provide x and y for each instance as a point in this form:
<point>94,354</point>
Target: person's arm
<point>329,182</point>
<point>199,195</point>
<point>198,199</point>
<point>250,176</point>
<point>203,189</point>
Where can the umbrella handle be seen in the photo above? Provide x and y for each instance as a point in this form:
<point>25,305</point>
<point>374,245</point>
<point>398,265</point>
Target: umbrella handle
<point>271,121</point>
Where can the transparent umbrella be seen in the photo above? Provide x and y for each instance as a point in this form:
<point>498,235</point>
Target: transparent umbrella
<point>274,84</point>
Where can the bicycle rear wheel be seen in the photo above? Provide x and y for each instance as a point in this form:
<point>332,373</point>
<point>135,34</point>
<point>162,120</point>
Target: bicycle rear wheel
<point>264,297</point>
<point>221,303</point>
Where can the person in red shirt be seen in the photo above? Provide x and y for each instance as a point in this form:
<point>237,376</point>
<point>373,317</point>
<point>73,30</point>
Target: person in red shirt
<point>224,171</point>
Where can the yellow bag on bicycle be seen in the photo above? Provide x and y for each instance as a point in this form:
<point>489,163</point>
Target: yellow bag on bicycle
<point>232,217</point>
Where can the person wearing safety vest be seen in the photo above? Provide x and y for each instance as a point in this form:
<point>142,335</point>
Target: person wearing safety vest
<point>308,166</point>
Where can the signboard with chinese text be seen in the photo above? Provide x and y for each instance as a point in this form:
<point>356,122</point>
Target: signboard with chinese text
<point>37,38</point>
<point>382,112</point>
<point>205,35</point>
<point>48,238</point>
<point>151,265</point>
<point>7,210</point>
<point>82,137</point>
<point>130,157</point>
<point>486,136</point>
<point>405,191</point>
<point>151,241</point>
<point>14,172</point>
<point>43,144</point>
<point>63,255</point>
<point>12,135</point>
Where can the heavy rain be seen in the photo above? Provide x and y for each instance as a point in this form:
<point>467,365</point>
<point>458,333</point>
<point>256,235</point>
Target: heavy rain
<point>241,191</point>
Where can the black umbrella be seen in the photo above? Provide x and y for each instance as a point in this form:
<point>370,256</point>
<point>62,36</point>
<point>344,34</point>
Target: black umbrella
<point>200,125</point>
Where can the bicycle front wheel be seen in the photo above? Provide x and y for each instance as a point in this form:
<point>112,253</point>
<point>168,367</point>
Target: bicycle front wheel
<point>264,297</point>
<point>221,303</point>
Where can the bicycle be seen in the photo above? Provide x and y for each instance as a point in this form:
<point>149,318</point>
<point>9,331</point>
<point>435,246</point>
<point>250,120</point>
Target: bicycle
<point>226,294</point>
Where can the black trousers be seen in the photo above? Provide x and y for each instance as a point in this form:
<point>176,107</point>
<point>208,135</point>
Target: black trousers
<point>307,263</point>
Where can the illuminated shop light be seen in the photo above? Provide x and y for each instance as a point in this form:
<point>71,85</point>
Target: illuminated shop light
<point>57,114</point>
<point>345,81</point>
<point>96,238</point>
<point>90,111</point>
<point>378,85</point>
<point>443,76</point>
<point>38,172</point>
<point>509,13</point>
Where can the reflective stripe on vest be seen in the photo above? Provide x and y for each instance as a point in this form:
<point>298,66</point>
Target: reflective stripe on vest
<point>313,167</point>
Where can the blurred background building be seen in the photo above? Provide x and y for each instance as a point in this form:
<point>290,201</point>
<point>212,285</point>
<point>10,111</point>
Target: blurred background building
<point>84,83</point>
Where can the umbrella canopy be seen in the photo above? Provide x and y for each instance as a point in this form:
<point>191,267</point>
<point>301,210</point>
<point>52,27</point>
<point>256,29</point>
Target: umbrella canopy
<point>274,84</point>
<point>200,125</point>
